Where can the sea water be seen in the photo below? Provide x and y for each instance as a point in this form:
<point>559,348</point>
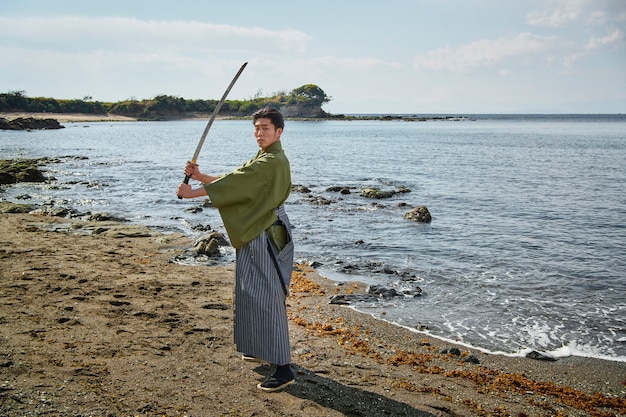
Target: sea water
<point>527,245</point>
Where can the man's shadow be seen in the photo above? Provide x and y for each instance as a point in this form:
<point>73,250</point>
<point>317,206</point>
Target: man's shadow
<point>347,400</point>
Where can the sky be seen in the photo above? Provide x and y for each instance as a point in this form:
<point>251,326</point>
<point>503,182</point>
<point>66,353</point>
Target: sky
<point>392,56</point>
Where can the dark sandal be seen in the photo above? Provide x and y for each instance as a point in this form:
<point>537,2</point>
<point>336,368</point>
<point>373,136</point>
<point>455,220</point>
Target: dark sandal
<point>272,384</point>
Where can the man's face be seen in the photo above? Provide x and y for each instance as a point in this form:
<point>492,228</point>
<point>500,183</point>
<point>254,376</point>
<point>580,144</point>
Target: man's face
<point>265,133</point>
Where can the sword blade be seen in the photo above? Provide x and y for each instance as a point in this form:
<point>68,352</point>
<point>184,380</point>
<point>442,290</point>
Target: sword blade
<point>213,116</point>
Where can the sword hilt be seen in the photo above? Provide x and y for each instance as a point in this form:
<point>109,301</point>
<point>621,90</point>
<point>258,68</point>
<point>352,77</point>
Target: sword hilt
<point>186,181</point>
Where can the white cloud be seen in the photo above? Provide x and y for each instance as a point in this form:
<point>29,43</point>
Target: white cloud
<point>612,38</point>
<point>562,13</point>
<point>569,61</point>
<point>115,57</point>
<point>593,45</point>
<point>483,53</point>
<point>129,34</point>
<point>557,14</point>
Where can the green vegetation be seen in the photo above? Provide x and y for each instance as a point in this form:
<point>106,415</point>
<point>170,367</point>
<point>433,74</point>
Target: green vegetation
<point>308,96</point>
<point>16,101</point>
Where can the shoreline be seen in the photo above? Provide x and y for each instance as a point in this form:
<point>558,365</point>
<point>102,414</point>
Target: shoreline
<point>523,353</point>
<point>562,352</point>
<point>85,117</point>
<point>105,323</point>
<point>69,117</point>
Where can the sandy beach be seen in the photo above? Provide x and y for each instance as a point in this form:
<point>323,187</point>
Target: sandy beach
<point>86,117</point>
<point>69,117</point>
<point>97,320</point>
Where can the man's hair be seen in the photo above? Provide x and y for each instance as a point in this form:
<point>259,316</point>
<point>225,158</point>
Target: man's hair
<point>270,113</point>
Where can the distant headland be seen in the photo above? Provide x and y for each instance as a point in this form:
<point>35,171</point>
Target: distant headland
<point>303,103</point>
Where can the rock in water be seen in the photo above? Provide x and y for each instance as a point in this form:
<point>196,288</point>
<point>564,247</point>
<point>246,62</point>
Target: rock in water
<point>29,123</point>
<point>419,214</point>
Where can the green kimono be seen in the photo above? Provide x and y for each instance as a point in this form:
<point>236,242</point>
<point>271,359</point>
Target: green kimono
<point>247,197</point>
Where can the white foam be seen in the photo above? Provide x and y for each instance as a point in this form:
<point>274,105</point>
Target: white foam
<point>571,349</point>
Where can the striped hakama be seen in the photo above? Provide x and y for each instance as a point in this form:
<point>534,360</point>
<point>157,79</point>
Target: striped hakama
<point>261,325</point>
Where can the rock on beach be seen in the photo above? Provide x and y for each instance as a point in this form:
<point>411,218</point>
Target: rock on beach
<point>21,170</point>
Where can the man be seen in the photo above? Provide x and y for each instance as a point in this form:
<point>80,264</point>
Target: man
<point>250,201</point>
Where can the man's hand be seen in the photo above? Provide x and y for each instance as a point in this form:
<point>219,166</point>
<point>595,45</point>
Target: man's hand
<point>192,171</point>
<point>184,190</point>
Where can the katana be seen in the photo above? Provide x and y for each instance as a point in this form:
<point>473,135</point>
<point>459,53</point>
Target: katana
<point>213,116</point>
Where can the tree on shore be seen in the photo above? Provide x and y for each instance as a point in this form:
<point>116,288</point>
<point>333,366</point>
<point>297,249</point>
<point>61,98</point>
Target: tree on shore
<point>311,94</point>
